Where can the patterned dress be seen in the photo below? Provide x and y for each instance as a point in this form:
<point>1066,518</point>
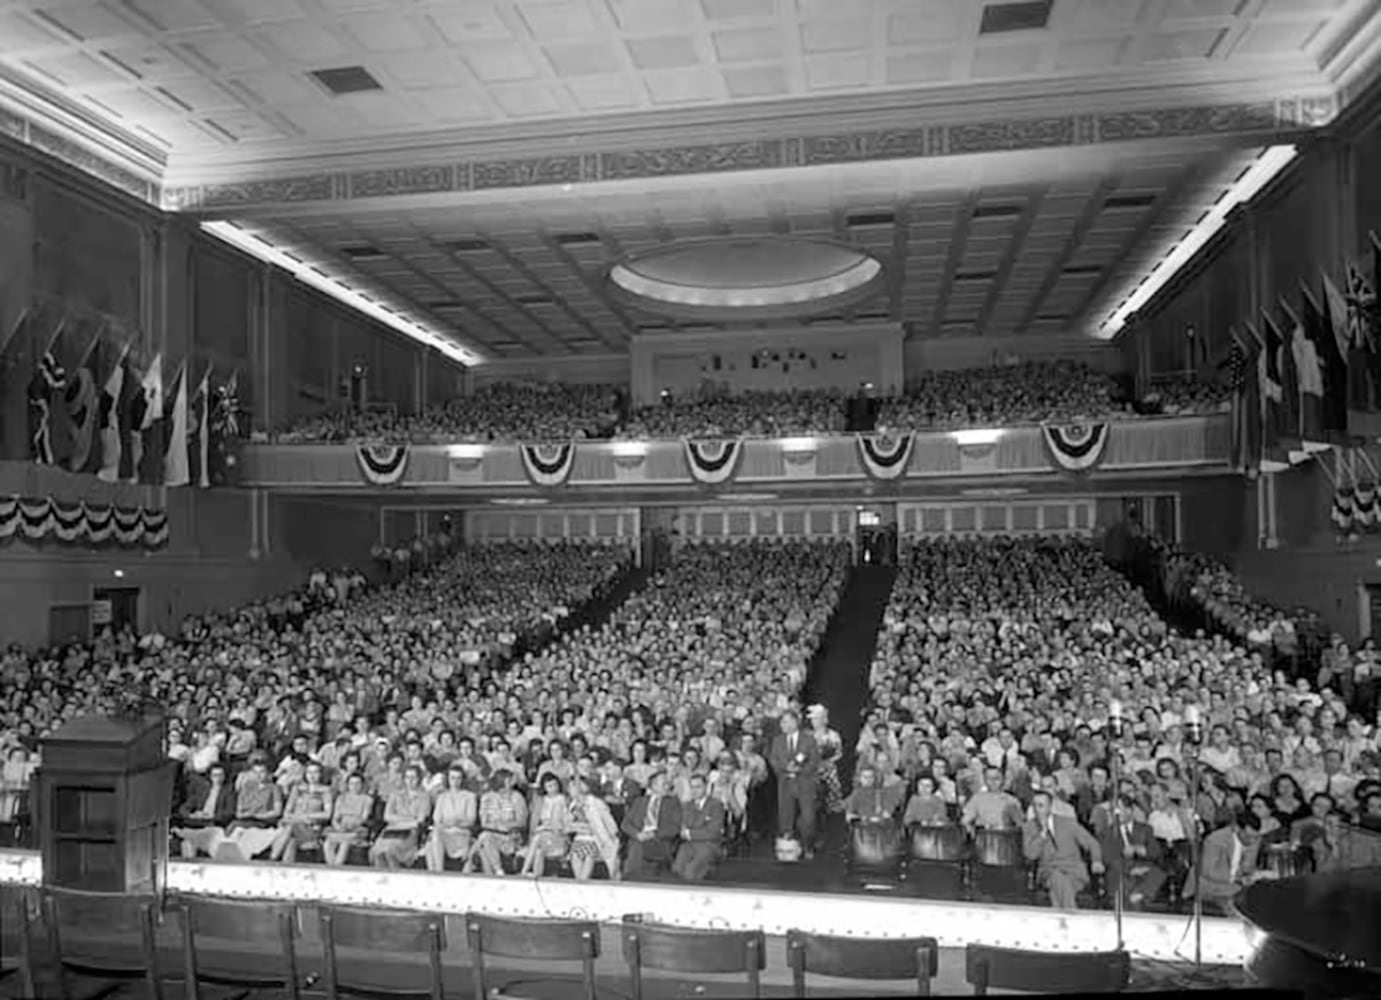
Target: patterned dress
<point>831,746</point>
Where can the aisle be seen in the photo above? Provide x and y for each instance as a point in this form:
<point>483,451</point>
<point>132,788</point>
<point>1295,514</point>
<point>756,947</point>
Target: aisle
<point>839,674</point>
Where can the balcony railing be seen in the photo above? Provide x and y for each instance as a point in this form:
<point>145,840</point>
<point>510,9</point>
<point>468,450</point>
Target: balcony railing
<point>1167,443</point>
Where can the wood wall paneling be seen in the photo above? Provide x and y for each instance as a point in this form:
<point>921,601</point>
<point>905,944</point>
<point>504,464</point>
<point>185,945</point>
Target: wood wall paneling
<point>86,254</point>
<point>222,305</point>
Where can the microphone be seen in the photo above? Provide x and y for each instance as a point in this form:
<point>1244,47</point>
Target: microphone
<point>1193,725</point>
<point>1115,720</point>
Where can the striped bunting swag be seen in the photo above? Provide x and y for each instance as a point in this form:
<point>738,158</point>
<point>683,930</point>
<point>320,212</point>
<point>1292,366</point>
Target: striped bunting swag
<point>885,456</point>
<point>1344,512</point>
<point>43,520</point>
<point>548,464</point>
<point>382,464</point>
<point>713,462</point>
<point>1365,513</point>
<point>1075,447</point>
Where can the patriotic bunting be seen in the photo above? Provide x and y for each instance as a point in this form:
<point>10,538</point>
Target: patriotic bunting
<point>382,464</point>
<point>548,464</point>
<point>1075,447</point>
<point>1344,514</point>
<point>1365,514</point>
<point>39,520</point>
<point>713,462</point>
<point>885,456</point>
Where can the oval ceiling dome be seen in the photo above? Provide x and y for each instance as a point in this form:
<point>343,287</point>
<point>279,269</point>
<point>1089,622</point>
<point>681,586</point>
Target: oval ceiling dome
<point>746,278</point>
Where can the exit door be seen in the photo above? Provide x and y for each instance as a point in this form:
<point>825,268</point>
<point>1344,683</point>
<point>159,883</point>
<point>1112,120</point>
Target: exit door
<point>116,607</point>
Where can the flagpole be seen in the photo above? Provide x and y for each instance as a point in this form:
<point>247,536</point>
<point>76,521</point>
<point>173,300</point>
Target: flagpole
<point>23,315</point>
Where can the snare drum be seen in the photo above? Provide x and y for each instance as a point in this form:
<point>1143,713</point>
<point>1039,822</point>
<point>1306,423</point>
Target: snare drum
<point>938,843</point>
<point>998,848</point>
<point>876,843</point>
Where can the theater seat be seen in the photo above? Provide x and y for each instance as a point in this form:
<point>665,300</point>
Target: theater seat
<point>392,932</point>
<point>873,959</point>
<point>693,951</point>
<point>1045,972</point>
<point>96,920</point>
<point>531,940</point>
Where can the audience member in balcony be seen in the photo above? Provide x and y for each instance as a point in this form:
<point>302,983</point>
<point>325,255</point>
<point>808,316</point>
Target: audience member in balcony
<point>1033,392</point>
<point>752,414</point>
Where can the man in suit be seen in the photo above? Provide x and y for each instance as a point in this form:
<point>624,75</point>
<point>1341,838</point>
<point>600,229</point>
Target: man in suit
<point>795,760</point>
<point>1132,854</point>
<point>702,832</point>
<point>1057,845</point>
<point>1227,864</point>
<point>206,813</point>
<point>652,824</point>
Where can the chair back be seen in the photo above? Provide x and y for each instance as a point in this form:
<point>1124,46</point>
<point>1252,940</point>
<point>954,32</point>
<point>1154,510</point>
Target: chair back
<point>392,931</point>
<point>87,915</point>
<point>270,925</point>
<point>690,950</point>
<point>998,848</point>
<point>533,940</point>
<point>862,958</point>
<point>939,843</point>
<point>1045,972</point>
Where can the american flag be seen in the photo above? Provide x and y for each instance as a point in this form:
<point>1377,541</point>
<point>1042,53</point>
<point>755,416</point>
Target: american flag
<point>1237,364</point>
<point>1362,319</point>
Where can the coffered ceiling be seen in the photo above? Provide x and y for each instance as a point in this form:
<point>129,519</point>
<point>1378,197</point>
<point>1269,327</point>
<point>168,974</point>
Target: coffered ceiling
<point>1014,165</point>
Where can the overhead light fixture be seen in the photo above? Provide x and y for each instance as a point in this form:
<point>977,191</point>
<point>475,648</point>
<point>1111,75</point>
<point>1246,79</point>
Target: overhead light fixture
<point>337,286</point>
<point>629,449</point>
<point>465,450</point>
<point>520,501</point>
<point>978,435</point>
<point>1267,166</point>
<point>746,497</point>
<point>797,445</point>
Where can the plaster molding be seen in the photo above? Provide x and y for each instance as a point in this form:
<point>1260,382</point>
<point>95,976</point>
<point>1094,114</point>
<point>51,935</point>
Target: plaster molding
<point>1267,121</point>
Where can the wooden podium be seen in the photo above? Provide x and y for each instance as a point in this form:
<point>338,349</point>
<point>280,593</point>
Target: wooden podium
<point>103,800</point>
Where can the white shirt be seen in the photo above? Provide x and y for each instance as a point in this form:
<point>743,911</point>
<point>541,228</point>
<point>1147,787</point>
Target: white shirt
<point>1236,858</point>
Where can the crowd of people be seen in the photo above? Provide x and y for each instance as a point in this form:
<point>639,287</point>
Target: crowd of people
<point>496,411</point>
<point>1006,668</point>
<point>1000,395</point>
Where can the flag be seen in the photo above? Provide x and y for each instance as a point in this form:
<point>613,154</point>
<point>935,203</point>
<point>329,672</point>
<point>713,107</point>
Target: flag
<point>175,471</point>
<point>83,399</point>
<point>1336,311</point>
<point>202,416</point>
<point>112,395</point>
<point>1274,413</point>
<point>146,419</point>
<point>1240,367</point>
<point>46,391</point>
<point>1309,384</point>
<point>1332,368</point>
<point>1364,345</point>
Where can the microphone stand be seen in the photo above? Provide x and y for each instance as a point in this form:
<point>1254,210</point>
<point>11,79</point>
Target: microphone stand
<point>1116,726</point>
<point>1193,735</point>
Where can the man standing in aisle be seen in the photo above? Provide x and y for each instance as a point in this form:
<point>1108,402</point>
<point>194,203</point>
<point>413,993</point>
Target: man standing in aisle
<point>795,760</point>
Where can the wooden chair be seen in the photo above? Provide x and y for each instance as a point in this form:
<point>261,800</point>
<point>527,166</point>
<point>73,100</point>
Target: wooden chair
<point>862,958</point>
<point>90,918</point>
<point>393,931</point>
<point>271,927</point>
<point>1045,972</point>
<point>682,949</point>
<point>532,940</point>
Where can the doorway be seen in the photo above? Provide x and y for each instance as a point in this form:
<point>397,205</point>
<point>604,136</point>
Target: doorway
<point>877,542</point>
<point>116,607</point>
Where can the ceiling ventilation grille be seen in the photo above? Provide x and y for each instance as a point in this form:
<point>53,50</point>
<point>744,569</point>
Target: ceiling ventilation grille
<point>344,80</point>
<point>997,211</point>
<point>363,253</point>
<point>975,276</point>
<point>1000,18</point>
<point>440,304</point>
<point>466,246</point>
<point>871,220</point>
<point>576,239</point>
<point>1124,202</point>
<point>1077,269</point>
<point>533,300</point>
<point>869,317</point>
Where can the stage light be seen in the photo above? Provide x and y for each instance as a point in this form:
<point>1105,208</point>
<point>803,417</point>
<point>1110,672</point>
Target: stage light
<point>339,288</point>
<point>799,445</point>
<point>1271,162</point>
<point>465,450</point>
<point>629,449</point>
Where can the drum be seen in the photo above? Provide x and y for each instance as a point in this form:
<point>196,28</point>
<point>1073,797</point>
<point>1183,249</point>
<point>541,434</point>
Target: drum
<point>876,843</point>
<point>998,848</point>
<point>938,843</point>
<point>1280,861</point>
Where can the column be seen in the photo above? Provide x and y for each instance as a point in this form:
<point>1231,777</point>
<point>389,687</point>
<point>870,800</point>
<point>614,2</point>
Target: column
<point>255,527</point>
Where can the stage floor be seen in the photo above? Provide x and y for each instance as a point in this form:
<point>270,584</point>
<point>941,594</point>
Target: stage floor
<point>556,982</point>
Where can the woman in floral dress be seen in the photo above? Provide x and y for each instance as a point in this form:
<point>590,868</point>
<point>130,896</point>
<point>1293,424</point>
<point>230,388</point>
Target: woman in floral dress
<point>831,746</point>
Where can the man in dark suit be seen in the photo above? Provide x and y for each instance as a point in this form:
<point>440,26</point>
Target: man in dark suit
<point>1057,844</point>
<point>702,832</point>
<point>206,813</point>
<point>1133,856</point>
<point>795,760</point>
<point>652,824</point>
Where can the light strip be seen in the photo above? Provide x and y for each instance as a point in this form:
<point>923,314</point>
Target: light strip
<point>711,907</point>
<point>1270,163</point>
<point>337,288</point>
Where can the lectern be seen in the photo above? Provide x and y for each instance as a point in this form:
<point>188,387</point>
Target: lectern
<point>104,798</point>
